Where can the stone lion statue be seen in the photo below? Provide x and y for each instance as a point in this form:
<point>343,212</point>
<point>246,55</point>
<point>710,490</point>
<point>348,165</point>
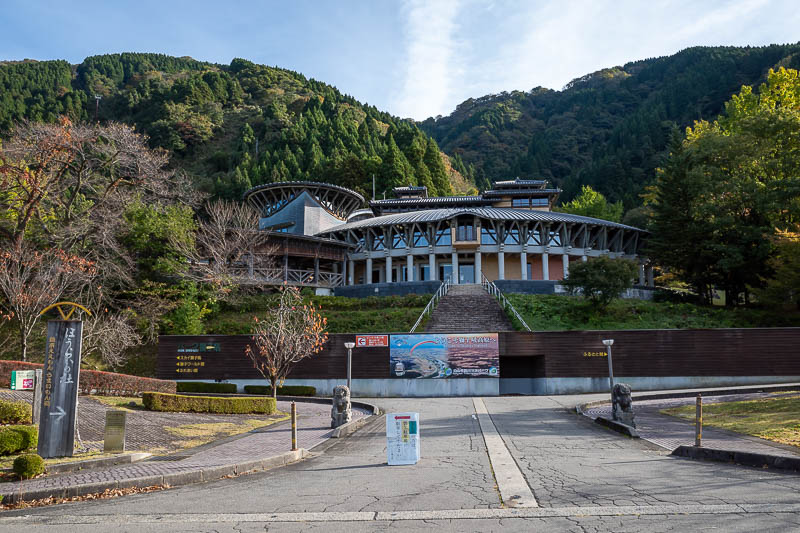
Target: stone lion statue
<point>622,404</point>
<point>341,412</point>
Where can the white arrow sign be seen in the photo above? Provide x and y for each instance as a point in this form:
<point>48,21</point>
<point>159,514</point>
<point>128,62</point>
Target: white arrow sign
<point>60,414</point>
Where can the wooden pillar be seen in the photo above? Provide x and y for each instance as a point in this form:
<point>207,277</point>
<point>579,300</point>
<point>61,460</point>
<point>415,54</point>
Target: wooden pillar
<point>523,265</point>
<point>368,274</point>
<point>410,266</point>
<point>545,266</point>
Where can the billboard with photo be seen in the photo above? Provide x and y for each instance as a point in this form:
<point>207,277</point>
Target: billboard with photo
<point>444,356</point>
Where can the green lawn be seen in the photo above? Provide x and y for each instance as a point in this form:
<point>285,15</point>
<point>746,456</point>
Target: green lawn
<point>345,315</point>
<point>562,312</point>
<point>776,419</point>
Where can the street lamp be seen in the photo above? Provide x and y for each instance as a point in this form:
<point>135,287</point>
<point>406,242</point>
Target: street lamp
<point>349,346</point>
<point>607,343</point>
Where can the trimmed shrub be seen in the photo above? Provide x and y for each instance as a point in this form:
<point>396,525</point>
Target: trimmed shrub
<point>28,466</point>
<point>156,401</point>
<point>15,439</point>
<point>199,386</point>
<point>288,390</point>
<point>15,412</point>
<point>97,382</point>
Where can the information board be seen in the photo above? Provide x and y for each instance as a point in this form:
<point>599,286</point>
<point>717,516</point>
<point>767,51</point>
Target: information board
<point>402,438</point>
<point>22,379</point>
<point>62,363</point>
<point>445,356</point>
<point>372,341</point>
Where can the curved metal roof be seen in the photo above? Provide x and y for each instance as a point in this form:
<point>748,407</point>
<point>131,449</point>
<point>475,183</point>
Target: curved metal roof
<point>491,213</point>
<point>270,198</point>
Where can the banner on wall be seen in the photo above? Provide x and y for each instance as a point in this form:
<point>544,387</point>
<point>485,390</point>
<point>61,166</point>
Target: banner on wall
<point>444,356</point>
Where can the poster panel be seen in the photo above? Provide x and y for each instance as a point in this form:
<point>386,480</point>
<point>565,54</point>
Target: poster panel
<point>444,356</point>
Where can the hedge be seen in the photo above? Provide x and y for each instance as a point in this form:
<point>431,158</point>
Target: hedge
<point>288,390</point>
<point>28,466</point>
<point>96,382</point>
<point>156,401</point>
<point>199,386</point>
<point>15,412</point>
<point>15,439</point>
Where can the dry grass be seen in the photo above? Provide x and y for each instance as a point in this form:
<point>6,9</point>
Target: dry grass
<point>192,435</point>
<point>776,419</point>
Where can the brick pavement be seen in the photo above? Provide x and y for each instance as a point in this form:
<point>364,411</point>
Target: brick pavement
<point>313,428</point>
<point>670,432</point>
<point>147,431</point>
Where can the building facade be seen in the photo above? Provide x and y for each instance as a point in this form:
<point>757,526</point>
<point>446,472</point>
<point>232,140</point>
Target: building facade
<point>506,233</point>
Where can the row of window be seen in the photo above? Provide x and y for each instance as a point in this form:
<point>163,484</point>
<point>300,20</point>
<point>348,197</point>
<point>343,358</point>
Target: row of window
<point>464,233</point>
<point>530,202</point>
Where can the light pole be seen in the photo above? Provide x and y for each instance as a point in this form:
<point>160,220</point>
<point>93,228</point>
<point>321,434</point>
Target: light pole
<point>607,343</point>
<point>349,346</point>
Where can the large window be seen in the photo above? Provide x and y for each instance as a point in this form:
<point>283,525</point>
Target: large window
<point>488,235</point>
<point>540,202</point>
<point>511,236</point>
<point>424,272</point>
<point>465,231</point>
<point>520,202</point>
<point>399,240</point>
<point>443,237</point>
<point>377,242</point>
<point>420,239</point>
<point>555,239</point>
<point>535,237</point>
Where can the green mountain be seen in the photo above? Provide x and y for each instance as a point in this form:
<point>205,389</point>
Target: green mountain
<point>609,129</point>
<point>232,126</point>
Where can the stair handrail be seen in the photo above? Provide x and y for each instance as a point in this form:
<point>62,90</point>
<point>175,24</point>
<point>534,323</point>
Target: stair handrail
<point>492,289</point>
<point>438,295</point>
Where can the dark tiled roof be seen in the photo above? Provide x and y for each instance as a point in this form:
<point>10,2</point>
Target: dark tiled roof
<point>491,213</point>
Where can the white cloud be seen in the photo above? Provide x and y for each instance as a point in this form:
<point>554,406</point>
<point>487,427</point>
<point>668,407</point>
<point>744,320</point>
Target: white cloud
<point>472,49</point>
<point>430,60</point>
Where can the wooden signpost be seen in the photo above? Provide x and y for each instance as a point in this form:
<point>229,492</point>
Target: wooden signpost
<point>62,364</point>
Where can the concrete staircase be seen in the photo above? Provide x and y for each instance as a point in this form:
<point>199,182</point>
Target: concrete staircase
<point>468,309</point>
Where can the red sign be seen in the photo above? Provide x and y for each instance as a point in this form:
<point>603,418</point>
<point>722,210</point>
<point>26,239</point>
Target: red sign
<point>371,341</point>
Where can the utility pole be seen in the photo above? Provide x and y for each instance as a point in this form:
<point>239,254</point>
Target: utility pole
<point>97,98</point>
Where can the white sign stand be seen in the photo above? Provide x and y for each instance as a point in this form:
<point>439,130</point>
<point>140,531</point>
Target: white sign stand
<point>402,438</point>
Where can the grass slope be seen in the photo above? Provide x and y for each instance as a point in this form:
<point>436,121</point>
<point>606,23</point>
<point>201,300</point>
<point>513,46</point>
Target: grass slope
<point>345,315</point>
<point>561,312</point>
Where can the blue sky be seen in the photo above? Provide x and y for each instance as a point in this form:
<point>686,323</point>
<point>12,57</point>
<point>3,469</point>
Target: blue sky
<point>413,58</point>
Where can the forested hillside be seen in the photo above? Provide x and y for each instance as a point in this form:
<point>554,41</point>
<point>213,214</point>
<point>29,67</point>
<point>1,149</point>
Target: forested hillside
<point>232,126</point>
<point>609,129</point>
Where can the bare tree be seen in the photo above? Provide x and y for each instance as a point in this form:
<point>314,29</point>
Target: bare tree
<point>108,333</point>
<point>31,280</point>
<point>291,332</point>
<point>229,250</point>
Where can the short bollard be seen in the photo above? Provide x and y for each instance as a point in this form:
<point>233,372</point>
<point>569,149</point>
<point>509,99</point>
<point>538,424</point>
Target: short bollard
<point>294,427</point>
<point>698,423</point>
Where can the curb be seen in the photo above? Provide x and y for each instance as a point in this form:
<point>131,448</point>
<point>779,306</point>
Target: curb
<point>744,458</point>
<point>619,427</point>
<point>174,480</point>
<point>63,468</point>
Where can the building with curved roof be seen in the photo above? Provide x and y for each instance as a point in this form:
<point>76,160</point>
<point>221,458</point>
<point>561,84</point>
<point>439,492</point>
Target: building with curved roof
<point>506,233</point>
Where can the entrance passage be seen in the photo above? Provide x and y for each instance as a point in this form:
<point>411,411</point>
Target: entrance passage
<point>466,274</point>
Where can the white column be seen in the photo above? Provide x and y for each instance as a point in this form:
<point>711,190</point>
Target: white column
<point>478,266</point>
<point>388,269</point>
<point>454,267</point>
<point>432,266</point>
<point>501,264</point>
<point>368,273</point>
<point>545,266</point>
<point>410,267</point>
<point>565,266</point>
<point>523,265</point>
<point>351,272</point>
<point>650,282</point>
<point>641,274</point>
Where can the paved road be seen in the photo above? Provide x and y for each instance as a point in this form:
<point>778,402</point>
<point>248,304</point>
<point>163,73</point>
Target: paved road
<point>584,477</point>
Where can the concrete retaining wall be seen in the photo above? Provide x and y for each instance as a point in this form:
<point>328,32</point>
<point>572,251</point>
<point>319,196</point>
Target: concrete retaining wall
<point>392,387</point>
<point>637,383</point>
<point>388,289</point>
